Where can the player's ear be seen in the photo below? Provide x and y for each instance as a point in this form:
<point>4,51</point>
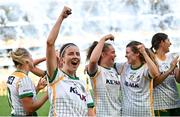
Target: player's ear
<point>103,54</point>
<point>26,61</point>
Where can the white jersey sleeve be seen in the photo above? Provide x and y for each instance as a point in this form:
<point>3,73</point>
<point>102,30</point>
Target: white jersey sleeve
<point>146,72</point>
<point>19,86</point>
<point>119,67</point>
<point>25,88</point>
<point>89,100</point>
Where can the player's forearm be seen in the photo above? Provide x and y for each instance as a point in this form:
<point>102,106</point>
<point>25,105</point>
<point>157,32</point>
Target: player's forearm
<point>158,80</point>
<point>50,51</point>
<point>91,112</point>
<point>38,72</point>
<point>38,103</point>
<point>37,89</point>
<point>151,65</point>
<point>97,51</point>
<point>38,61</point>
<point>54,32</point>
<point>178,75</point>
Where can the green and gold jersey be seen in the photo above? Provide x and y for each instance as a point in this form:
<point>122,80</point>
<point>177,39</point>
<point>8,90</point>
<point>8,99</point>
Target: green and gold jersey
<point>68,96</point>
<point>107,92</point>
<point>19,86</point>
<point>166,94</point>
<point>137,87</point>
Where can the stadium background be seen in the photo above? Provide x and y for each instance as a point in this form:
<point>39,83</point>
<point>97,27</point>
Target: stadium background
<point>27,23</point>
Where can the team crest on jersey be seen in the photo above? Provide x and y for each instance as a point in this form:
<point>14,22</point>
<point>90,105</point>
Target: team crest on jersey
<point>134,78</point>
<point>164,67</point>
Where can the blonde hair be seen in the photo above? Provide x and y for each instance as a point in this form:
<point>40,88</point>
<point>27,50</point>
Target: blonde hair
<point>19,56</point>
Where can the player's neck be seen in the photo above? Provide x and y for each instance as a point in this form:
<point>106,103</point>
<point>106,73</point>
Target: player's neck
<point>136,65</point>
<point>22,69</point>
<point>161,55</point>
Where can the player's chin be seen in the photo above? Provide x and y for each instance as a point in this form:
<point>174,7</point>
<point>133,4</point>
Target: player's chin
<point>74,67</point>
<point>129,61</point>
<point>112,62</point>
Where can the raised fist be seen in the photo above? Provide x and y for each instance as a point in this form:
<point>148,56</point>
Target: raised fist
<point>109,37</point>
<point>66,12</point>
<point>141,48</point>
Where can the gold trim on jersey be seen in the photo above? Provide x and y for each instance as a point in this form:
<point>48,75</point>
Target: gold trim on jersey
<point>151,97</point>
<point>19,75</point>
<point>94,88</point>
<point>53,86</point>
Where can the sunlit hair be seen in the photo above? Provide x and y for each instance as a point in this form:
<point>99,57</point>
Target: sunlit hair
<point>64,47</point>
<point>19,56</point>
<point>133,45</point>
<point>156,40</point>
<point>91,48</point>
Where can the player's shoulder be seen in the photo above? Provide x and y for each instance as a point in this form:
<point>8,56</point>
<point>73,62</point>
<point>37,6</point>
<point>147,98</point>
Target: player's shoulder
<point>20,75</point>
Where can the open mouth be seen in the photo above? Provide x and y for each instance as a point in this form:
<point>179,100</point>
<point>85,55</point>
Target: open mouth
<point>75,62</point>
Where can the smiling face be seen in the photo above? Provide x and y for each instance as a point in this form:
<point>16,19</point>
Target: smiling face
<point>165,45</point>
<point>71,59</point>
<point>131,56</point>
<point>109,55</point>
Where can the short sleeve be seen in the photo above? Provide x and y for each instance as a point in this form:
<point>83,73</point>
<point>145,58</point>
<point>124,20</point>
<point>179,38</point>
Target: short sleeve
<point>25,87</point>
<point>146,72</point>
<point>57,74</point>
<point>96,72</point>
<point>119,67</point>
<point>89,100</point>
<point>54,76</point>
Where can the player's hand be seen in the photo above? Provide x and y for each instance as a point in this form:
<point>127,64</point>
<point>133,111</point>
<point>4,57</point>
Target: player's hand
<point>42,83</point>
<point>109,37</point>
<point>174,62</point>
<point>141,48</point>
<point>66,12</point>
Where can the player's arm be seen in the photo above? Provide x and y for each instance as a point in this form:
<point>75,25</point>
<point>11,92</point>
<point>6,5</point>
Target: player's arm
<point>177,71</point>
<point>91,112</point>
<point>41,84</point>
<point>37,71</point>
<point>50,50</point>
<point>96,54</point>
<point>38,61</point>
<point>153,70</point>
<point>31,105</point>
<point>158,80</point>
<point>26,93</point>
